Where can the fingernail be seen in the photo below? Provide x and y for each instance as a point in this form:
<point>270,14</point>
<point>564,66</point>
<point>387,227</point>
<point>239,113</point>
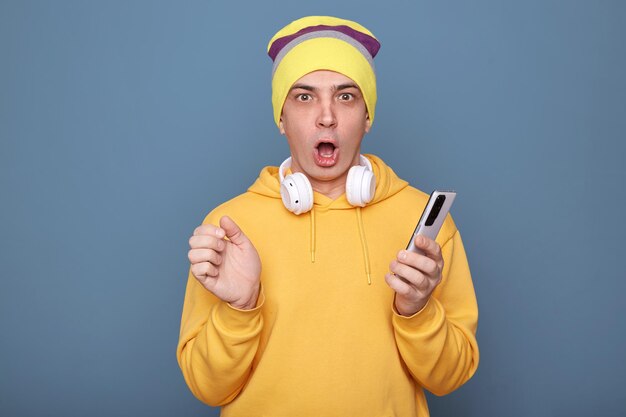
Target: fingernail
<point>402,255</point>
<point>220,233</point>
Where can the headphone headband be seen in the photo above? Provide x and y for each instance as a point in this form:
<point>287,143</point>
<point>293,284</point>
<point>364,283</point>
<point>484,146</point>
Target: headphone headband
<point>297,193</point>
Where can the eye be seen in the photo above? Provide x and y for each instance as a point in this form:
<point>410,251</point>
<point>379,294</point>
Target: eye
<point>303,97</point>
<point>346,96</point>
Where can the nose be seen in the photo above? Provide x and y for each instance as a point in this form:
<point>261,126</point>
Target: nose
<point>326,117</point>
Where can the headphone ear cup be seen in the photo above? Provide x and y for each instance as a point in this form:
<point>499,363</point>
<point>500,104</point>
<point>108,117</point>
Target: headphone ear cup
<point>360,186</point>
<point>351,192</point>
<point>297,193</point>
<point>368,186</point>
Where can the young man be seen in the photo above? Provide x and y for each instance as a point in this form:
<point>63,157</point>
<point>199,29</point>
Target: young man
<point>300,299</point>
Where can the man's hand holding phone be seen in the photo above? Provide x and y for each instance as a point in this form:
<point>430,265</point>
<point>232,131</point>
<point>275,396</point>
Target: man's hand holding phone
<point>414,276</point>
<point>416,271</point>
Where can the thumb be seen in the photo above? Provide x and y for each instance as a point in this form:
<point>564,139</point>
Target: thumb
<point>233,232</point>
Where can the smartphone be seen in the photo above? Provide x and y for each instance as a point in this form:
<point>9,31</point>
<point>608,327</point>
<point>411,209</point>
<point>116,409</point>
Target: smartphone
<point>432,218</point>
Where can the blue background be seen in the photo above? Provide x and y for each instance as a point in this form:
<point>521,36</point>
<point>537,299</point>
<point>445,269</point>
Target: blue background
<point>122,123</point>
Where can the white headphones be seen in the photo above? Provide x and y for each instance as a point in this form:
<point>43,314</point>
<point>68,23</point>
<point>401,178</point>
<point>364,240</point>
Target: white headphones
<point>297,193</point>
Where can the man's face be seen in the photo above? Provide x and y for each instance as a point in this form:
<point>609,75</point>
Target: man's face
<point>324,118</point>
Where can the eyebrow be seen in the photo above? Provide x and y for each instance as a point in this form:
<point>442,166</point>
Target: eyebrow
<point>302,87</point>
<point>345,86</point>
<point>335,88</point>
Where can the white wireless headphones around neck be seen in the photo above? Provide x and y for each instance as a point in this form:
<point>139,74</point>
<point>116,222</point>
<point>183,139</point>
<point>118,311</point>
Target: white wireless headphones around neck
<point>297,193</point>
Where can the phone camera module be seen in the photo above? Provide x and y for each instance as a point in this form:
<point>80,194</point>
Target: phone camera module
<point>436,209</point>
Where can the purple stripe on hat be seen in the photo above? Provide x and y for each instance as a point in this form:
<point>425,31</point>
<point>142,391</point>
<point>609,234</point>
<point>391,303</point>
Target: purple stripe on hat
<point>322,34</point>
<point>370,43</point>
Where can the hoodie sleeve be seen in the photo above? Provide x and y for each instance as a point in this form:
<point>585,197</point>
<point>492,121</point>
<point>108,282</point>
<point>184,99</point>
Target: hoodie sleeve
<point>217,344</point>
<point>438,343</point>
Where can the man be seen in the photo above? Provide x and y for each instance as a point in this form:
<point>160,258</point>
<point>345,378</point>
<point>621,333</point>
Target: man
<point>300,300</point>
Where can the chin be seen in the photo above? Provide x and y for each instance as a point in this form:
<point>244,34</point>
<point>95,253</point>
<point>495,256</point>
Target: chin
<point>329,173</point>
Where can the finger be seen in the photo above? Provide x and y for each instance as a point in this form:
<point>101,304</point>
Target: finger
<point>233,232</point>
<point>398,285</point>
<point>429,247</point>
<point>411,275</point>
<point>204,255</point>
<point>203,270</point>
<point>209,229</point>
<point>421,262</point>
<point>206,242</point>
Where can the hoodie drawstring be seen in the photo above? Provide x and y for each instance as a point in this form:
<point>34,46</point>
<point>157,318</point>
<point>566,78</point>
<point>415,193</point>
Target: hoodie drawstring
<point>312,217</point>
<point>366,257</point>
<point>364,245</point>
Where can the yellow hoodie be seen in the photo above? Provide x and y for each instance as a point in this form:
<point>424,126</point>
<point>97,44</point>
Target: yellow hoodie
<point>322,340</point>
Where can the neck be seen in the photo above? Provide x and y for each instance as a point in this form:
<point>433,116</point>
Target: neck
<point>331,189</point>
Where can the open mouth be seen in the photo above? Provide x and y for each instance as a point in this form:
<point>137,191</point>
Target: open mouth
<point>326,153</point>
<point>325,149</point>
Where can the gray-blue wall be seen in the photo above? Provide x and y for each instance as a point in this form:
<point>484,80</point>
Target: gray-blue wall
<point>122,123</point>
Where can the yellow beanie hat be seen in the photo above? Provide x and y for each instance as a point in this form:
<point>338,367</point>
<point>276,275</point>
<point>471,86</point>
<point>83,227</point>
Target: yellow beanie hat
<point>323,43</point>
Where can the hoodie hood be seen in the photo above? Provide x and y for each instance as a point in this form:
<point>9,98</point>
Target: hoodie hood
<point>387,184</point>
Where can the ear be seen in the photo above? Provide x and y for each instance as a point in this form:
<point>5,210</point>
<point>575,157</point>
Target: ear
<point>368,123</point>
<point>280,127</point>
